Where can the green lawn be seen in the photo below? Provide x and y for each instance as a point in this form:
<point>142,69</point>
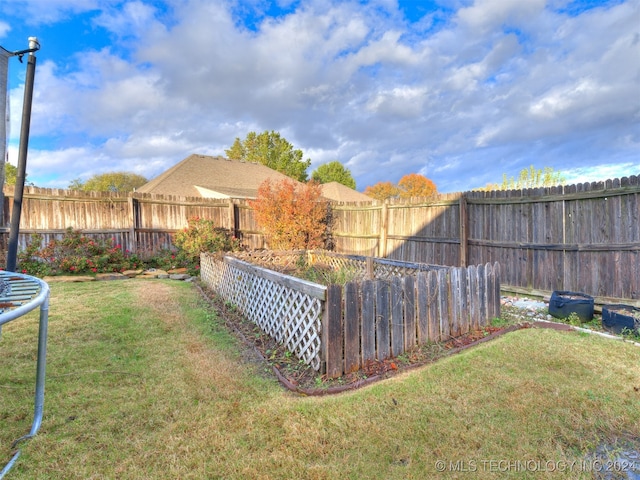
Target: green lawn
<point>144,382</point>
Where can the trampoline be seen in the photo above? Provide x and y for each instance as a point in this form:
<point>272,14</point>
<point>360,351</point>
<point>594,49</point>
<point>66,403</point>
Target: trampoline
<point>19,295</point>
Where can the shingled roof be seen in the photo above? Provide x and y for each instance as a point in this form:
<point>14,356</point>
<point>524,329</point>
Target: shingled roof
<point>212,177</point>
<point>341,193</point>
<point>218,177</point>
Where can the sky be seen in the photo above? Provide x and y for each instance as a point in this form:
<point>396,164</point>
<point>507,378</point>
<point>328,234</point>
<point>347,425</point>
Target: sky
<point>460,91</point>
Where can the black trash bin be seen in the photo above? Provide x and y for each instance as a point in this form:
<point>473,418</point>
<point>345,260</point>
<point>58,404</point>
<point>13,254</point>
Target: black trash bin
<point>620,317</point>
<point>563,304</point>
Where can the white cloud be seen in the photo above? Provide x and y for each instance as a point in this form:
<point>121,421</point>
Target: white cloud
<point>38,12</point>
<point>498,86</point>
<point>4,28</point>
<point>491,15</point>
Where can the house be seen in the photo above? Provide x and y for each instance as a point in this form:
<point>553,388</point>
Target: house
<point>212,177</point>
<point>341,193</point>
<point>217,177</point>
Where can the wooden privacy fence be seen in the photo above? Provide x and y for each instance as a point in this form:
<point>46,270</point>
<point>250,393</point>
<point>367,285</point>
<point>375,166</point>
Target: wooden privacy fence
<point>141,223</point>
<point>339,328</point>
<point>583,238</point>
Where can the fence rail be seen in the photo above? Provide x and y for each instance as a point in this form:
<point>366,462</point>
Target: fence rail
<point>339,328</point>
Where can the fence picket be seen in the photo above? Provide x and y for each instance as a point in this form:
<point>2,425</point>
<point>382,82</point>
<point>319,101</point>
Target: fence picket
<point>397,317</point>
<point>454,302</point>
<point>368,321</point>
<point>383,317</point>
<point>408,286</point>
<point>422,293</point>
<point>443,304</point>
<point>433,307</point>
<point>333,332</point>
<point>351,328</point>
<point>473,304</point>
<point>482,296</point>
<point>465,320</point>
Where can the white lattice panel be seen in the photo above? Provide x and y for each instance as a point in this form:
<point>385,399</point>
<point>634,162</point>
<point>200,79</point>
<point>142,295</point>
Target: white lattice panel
<point>290,316</point>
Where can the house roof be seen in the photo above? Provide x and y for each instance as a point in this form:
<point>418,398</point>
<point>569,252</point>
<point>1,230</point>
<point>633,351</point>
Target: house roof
<point>341,193</point>
<point>212,177</point>
<point>218,177</point>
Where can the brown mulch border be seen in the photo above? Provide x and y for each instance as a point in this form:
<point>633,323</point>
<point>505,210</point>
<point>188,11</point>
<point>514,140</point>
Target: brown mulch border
<point>377,371</point>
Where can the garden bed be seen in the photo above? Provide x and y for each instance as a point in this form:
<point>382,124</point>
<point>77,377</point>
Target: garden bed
<point>295,375</point>
<point>339,329</point>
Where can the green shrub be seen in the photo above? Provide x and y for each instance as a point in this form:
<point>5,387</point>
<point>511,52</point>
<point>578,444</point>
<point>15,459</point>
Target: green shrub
<point>75,254</point>
<point>32,261</point>
<point>202,236</point>
<point>168,259</point>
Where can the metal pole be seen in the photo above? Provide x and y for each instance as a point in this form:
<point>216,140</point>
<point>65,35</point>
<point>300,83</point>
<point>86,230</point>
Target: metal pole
<point>12,252</point>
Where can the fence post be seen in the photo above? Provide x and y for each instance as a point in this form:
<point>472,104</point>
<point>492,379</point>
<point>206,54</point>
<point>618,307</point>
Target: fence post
<point>369,268</point>
<point>463,231</point>
<point>384,226</point>
<point>233,219</point>
<point>133,205</point>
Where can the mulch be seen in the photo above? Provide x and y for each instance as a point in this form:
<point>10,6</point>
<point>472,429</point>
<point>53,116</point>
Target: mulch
<point>298,377</point>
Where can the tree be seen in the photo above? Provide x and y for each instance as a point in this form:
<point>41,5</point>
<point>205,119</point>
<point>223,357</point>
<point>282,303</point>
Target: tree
<point>110,182</point>
<point>293,216</point>
<point>270,149</point>
<point>528,178</point>
<point>334,172</point>
<point>382,191</point>
<point>416,185</point>
<point>411,185</point>
<point>11,174</point>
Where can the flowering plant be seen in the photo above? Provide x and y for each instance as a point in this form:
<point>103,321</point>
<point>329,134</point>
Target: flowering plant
<point>75,253</point>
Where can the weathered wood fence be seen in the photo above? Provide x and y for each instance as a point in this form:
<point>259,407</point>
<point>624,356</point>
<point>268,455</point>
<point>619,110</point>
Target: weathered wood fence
<point>142,223</point>
<point>339,328</point>
<point>583,238</point>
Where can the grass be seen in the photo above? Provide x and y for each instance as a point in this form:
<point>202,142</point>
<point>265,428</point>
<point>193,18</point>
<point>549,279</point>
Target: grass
<point>144,382</point>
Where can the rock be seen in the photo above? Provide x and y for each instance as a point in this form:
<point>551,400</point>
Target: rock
<point>177,271</point>
<point>179,276</point>
<point>68,278</point>
<point>132,273</point>
<point>147,275</point>
<point>153,273</point>
<point>111,276</point>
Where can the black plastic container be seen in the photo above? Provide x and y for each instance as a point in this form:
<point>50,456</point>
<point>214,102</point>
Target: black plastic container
<point>563,304</point>
<point>619,317</point>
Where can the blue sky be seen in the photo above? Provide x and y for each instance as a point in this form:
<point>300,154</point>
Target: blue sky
<point>460,91</point>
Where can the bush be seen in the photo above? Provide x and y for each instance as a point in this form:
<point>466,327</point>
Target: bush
<point>75,254</point>
<point>202,236</point>
<point>168,259</point>
<point>293,216</point>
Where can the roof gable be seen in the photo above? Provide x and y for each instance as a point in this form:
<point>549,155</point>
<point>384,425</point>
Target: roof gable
<point>341,193</point>
<point>212,177</point>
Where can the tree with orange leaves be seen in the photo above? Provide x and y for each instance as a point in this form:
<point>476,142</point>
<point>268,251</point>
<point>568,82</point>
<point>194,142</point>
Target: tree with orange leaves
<point>291,214</point>
<point>382,191</point>
<point>411,185</point>
<point>416,185</point>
